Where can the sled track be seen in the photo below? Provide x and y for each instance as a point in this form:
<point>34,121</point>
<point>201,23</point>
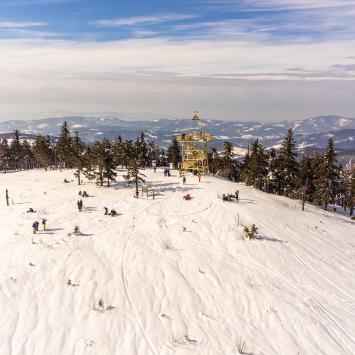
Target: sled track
<point>125,285</point>
<point>304,262</point>
<point>248,263</point>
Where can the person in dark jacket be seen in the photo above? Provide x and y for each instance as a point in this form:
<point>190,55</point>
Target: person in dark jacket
<point>35,227</point>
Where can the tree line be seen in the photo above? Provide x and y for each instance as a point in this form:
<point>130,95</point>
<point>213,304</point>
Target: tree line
<point>316,178</point>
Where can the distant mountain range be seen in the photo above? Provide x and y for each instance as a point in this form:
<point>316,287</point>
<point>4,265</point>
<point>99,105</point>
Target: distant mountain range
<point>309,133</point>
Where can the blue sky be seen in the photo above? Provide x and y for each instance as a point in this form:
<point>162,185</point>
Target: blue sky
<point>296,58</point>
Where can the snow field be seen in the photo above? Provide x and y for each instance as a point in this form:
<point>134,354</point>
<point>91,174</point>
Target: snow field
<point>176,276</point>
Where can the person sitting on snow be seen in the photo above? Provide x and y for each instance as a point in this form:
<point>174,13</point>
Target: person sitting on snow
<point>76,231</point>
<point>113,213</point>
<point>30,210</point>
<point>106,211</point>
<point>85,194</point>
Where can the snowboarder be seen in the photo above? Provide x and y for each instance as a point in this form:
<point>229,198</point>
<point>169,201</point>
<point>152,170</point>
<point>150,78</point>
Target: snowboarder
<point>237,195</point>
<point>35,227</point>
<point>106,211</point>
<point>44,222</point>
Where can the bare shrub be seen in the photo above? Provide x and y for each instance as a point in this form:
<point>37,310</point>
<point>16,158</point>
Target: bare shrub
<point>166,244</point>
<point>250,233</point>
<point>241,346</point>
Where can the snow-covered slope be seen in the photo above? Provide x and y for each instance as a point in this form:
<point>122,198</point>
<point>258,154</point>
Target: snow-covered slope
<point>292,291</point>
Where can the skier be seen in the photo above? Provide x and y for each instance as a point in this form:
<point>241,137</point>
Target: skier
<point>237,195</point>
<point>44,222</point>
<point>184,180</point>
<point>106,211</point>
<point>35,227</point>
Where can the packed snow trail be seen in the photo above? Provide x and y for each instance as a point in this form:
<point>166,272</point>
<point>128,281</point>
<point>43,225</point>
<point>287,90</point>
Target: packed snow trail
<point>176,276</point>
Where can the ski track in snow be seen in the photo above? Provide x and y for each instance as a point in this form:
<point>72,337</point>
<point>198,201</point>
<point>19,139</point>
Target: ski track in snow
<point>287,293</point>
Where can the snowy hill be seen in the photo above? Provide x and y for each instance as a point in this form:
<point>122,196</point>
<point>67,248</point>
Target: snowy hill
<point>175,276</point>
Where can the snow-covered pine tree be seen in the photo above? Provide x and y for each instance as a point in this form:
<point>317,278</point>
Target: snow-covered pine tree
<point>142,149</point>
<point>328,176</point>
<point>305,182</point>
<point>174,153</point>
<point>256,169</point>
<point>213,161</point>
<point>287,164</point>
<point>42,151</point>
<point>27,159</point>
<point>16,152</point>
<point>4,155</point>
<point>101,163</point>
<point>228,164</point>
<point>64,146</point>
<point>119,151</point>
<point>133,174</point>
<point>77,156</point>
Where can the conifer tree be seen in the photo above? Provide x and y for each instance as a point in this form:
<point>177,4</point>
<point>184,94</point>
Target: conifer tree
<point>174,153</point>
<point>287,164</point>
<point>4,155</point>
<point>133,174</point>
<point>228,163</point>
<point>77,157</point>
<point>257,166</point>
<point>27,155</point>
<point>16,151</point>
<point>101,163</point>
<point>64,146</point>
<point>328,176</point>
<point>42,151</point>
<point>213,161</point>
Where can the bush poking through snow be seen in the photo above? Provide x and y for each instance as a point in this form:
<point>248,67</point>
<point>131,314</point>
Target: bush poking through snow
<point>241,346</point>
<point>250,233</point>
<point>167,245</point>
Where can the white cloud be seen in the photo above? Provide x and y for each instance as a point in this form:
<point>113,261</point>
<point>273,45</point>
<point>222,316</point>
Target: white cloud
<point>14,24</point>
<point>225,79</point>
<point>139,20</point>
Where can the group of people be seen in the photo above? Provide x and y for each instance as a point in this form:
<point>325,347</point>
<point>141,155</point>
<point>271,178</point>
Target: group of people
<point>35,225</point>
<point>83,194</point>
<point>167,172</point>
<point>112,212</point>
<point>230,197</point>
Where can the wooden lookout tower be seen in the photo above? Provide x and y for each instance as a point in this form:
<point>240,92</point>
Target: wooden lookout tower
<point>195,148</point>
